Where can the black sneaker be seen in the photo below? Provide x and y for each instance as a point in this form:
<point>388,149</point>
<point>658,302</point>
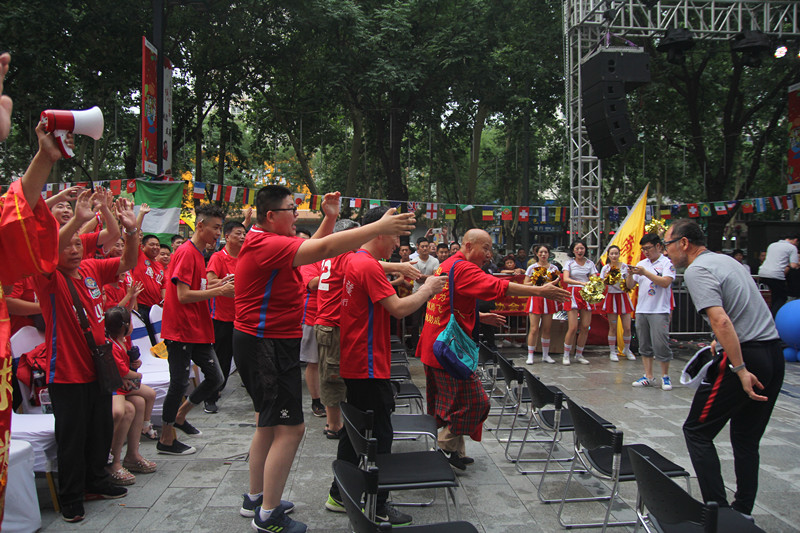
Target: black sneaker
<point>188,428</point>
<point>210,407</point>
<point>318,410</point>
<point>454,460</point>
<point>393,516</point>
<point>106,492</point>
<point>72,512</point>
<point>249,506</point>
<point>277,522</point>
<point>176,448</point>
<point>466,459</point>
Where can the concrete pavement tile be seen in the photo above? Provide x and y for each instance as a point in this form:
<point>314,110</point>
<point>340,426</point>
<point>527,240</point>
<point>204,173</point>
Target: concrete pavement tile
<point>178,509</point>
<point>201,474</point>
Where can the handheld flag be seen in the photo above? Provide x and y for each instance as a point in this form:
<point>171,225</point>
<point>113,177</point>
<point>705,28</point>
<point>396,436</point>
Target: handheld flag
<point>164,199</point>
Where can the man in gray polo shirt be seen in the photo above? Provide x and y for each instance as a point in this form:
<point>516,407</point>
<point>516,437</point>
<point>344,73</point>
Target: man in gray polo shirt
<point>752,359</point>
<point>780,255</point>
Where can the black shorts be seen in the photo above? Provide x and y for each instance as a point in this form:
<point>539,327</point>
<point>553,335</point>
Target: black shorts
<point>270,371</point>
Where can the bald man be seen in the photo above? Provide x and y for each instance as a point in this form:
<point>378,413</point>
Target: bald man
<point>460,407</point>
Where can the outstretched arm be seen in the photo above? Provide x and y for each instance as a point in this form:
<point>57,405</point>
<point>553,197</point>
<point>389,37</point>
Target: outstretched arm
<point>36,176</point>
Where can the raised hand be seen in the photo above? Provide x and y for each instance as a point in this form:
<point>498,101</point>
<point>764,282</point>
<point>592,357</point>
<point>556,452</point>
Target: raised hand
<point>83,207</point>
<point>330,204</point>
<point>392,223</point>
<point>551,291</point>
<point>48,145</point>
<point>125,214</point>
<point>6,105</point>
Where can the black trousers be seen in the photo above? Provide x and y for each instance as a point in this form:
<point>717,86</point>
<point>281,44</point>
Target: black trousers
<point>180,357</point>
<point>223,346</point>
<point>84,427</point>
<point>376,395</point>
<point>779,293</point>
<point>721,399</point>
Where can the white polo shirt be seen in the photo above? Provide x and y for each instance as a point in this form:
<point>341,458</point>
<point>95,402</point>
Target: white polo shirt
<point>652,298</point>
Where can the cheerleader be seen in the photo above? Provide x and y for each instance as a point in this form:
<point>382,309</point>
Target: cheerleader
<point>576,274</point>
<point>617,303</point>
<point>538,308</point>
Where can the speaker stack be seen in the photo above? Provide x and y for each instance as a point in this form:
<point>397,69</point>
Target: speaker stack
<point>605,79</point>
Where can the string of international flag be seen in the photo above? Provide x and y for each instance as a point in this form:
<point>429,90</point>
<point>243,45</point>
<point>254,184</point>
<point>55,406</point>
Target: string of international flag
<point>443,211</point>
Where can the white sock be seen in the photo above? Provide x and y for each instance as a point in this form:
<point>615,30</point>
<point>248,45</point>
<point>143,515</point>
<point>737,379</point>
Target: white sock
<point>567,350</point>
<point>264,514</point>
<point>545,347</point>
<point>254,497</point>
<point>627,340</point>
<point>531,349</point>
<point>579,352</point>
<point>612,344</point>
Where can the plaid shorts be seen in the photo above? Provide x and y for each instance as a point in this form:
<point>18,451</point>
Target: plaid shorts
<point>460,405</point>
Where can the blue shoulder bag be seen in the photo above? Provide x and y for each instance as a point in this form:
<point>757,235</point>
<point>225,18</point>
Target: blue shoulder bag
<point>453,348</point>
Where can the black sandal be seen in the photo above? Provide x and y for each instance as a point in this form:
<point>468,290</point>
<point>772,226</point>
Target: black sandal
<point>333,435</point>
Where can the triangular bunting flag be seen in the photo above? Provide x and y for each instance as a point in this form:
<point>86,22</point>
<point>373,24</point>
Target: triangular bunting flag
<point>666,213</point>
<point>115,186</point>
<point>251,196</point>
<point>432,211</point>
<point>506,214</point>
<point>316,202</point>
<point>299,198</point>
<point>450,212</point>
<point>467,207</point>
<point>355,202</point>
<point>720,208</point>
<point>199,190</point>
<point>694,210</point>
<point>705,210</point>
<point>523,214</point>
<point>374,203</point>
<point>130,186</point>
<point>747,206</point>
<point>487,214</point>
<point>761,205</point>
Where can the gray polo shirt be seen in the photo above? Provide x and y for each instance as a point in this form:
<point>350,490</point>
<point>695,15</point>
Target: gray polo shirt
<point>426,268</point>
<point>779,255</point>
<point>719,280</point>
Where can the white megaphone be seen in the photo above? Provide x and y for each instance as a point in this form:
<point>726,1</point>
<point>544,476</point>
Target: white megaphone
<point>59,122</point>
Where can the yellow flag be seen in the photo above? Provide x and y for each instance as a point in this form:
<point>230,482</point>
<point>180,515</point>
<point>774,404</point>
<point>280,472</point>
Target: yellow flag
<point>630,251</point>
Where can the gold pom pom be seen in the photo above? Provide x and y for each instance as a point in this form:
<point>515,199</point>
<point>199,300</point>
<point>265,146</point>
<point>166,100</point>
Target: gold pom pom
<point>657,225</point>
<point>594,291</point>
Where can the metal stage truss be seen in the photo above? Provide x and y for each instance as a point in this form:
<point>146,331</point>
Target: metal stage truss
<point>587,24</point>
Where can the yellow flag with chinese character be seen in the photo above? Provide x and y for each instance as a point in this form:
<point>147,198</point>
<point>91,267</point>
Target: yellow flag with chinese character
<point>627,238</point>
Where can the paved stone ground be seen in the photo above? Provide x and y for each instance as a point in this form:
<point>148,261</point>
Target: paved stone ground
<point>203,492</point>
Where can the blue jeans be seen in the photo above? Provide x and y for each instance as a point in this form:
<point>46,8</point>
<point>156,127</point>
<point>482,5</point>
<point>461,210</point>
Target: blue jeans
<point>180,358</point>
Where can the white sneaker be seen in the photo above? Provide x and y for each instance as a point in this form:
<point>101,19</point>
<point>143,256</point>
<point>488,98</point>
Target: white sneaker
<point>548,359</point>
<point>530,360</point>
<point>582,360</point>
<point>666,384</point>
<point>565,360</point>
<point>613,357</point>
<point>629,354</point>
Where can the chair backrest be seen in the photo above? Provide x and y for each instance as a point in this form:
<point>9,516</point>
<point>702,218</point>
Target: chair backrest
<point>24,340</point>
<point>508,372</point>
<point>139,335</point>
<point>486,354</point>
<point>358,425</point>
<point>541,396</point>
<point>156,313</point>
<point>590,433</point>
<point>354,487</point>
<point>666,500</point>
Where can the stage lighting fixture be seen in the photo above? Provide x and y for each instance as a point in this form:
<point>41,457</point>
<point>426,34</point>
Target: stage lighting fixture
<point>751,44</point>
<point>675,43</point>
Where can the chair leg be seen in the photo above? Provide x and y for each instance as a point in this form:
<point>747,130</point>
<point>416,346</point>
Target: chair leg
<point>610,501</point>
<point>53,493</point>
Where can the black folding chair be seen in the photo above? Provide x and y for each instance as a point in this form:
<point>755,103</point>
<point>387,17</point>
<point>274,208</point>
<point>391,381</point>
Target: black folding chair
<point>406,391</point>
<point>487,369</point>
<point>399,471</point>
<point>672,510</point>
<point>357,486</point>
<point>516,395</point>
<point>601,453</point>
<point>412,426</point>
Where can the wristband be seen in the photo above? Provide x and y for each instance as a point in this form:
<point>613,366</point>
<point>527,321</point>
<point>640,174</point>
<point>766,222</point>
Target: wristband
<point>736,369</point>
<point>131,232</point>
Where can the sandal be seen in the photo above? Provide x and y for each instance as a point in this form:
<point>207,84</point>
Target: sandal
<point>142,466</point>
<point>333,435</point>
<point>149,431</point>
<point>122,477</point>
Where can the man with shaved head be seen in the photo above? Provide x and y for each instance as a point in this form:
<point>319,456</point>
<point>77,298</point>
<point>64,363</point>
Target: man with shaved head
<point>460,407</point>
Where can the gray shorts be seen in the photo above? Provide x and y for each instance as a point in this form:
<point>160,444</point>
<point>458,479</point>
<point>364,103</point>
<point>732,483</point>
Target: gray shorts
<point>332,388</point>
<point>653,332</point>
<point>308,345</point>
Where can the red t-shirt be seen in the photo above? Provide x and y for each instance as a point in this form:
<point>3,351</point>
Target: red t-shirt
<point>90,246</point>
<point>116,291</point>
<point>123,362</point>
<point>186,322</point>
<point>151,274</point>
<point>68,356</point>
<point>269,290</point>
<point>364,326</point>
<point>23,290</point>
<point>222,263</point>
<point>472,284</point>
<point>329,292</point>
<point>310,272</point>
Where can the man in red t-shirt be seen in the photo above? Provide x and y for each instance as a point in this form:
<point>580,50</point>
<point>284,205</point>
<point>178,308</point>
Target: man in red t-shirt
<point>188,331</point>
<point>446,395</point>
<point>267,334</point>
<point>151,274</point>
<point>83,423</point>
<point>221,266</point>
<point>367,302</point>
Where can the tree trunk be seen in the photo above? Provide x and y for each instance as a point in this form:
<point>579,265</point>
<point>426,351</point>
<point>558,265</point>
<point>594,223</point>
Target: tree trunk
<point>223,139</point>
<point>475,156</point>
<point>355,150</point>
<point>198,138</point>
<point>299,152</point>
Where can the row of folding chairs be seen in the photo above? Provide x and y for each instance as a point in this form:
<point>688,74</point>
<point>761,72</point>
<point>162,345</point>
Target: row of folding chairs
<point>538,416</point>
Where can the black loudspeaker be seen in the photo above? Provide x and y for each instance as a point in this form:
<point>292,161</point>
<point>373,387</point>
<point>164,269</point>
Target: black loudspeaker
<point>605,78</point>
<point>629,67</point>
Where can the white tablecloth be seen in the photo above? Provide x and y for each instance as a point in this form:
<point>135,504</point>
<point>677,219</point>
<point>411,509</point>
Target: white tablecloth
<point>22,505</point>
<point>39,431</point>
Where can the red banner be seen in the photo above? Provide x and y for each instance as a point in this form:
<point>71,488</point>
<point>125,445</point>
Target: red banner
<point>151,152</point>
<point>793,166</point>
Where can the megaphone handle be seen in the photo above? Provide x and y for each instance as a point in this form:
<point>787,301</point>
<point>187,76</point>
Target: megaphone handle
<point>61,139</point>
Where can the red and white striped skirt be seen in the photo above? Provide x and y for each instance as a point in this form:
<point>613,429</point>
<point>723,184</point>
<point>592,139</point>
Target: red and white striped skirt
<point>576,301</point>
<point>617,303</point>
<point>541,306</point>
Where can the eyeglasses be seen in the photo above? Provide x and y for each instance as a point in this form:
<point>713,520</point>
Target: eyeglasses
<point>667,243</point>
<point>647,248</point>
<point>293,208</point>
